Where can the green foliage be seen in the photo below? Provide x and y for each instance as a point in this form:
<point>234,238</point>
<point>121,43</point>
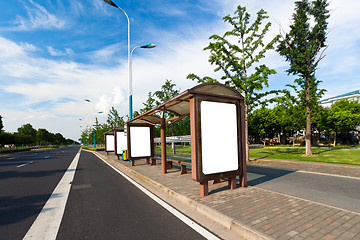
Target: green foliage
<point>343,116</point>
<point>237,59</point>
<point>149,103</point>
<point>167,92</point>
<point>114,119</point>
<point>7,150</point>
<point>303,47</point>
<point>238,53</point>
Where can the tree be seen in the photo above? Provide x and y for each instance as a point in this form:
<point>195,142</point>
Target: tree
<point>343,116</point>
<point>114,119</point>
<point>167,92</point>
<point>27,130</point>
<point>303,47</point>
<point>149,104</point>
<point>239,61</point>
<point>43,136</point>
<point>262,123</point>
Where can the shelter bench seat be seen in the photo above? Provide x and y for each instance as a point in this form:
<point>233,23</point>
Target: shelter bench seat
<point>182,164</point>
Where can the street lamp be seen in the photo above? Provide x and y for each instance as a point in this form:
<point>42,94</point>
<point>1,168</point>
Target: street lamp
<point>129,56</point>
<point>87,100</point>
<point>130,84</point>
<point>130,75</point>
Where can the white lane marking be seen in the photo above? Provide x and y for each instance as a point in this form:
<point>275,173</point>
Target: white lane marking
<point>22,165</point>
<point>202,231</point>
<point>47,223</point>
<point>328,174</point>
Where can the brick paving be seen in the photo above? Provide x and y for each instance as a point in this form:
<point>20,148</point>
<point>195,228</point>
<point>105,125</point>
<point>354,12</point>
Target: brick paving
<point>268,214</point>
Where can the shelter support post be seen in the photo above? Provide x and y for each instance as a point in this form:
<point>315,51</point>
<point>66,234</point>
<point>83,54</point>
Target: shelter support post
<point>204,189</point>
<point>163,146</point>
<point>243,176</point>
<point>232,182</point>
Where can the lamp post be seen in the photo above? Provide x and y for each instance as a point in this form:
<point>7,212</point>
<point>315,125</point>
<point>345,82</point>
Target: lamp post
<point>130,84</point>
<point>129,56</point>
<point>87,100</point>
<point>130,75</point>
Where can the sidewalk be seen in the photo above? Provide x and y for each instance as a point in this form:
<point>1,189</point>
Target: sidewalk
<point>252,212</point>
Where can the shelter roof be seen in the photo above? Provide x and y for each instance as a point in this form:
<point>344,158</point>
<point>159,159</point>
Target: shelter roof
<point>119,128</point>
<point>179,105</point>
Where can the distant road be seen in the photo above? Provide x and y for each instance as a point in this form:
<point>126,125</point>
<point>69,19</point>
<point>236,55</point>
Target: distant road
<point>27,180</point>
<point>340,192</point>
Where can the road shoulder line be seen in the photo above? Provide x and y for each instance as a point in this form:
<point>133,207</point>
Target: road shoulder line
<point>47,223</point>
<point>242,230</point>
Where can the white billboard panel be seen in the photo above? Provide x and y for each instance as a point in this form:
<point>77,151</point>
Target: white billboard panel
<point>219,140</point>
<point>110,143</point>
<point>121,142</point>
<point>140,141</point>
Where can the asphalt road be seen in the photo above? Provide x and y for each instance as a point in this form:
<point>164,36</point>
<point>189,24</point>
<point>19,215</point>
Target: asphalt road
<point>27,180</point>
<point>104,205</point>
<point>101,205</point>
<point>340,192</point>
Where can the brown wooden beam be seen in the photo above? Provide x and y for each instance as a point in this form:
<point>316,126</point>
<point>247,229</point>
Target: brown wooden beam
<point>163,145</point>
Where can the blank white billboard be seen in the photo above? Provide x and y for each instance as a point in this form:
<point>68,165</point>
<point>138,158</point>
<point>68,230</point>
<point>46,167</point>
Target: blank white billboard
<point>140,141</point>
<point>121,142</point>
<point>110,143</point>
<point>219,140</point>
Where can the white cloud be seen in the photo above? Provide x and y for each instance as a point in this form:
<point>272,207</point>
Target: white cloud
<point>57,52</point>
<point>38,18</point>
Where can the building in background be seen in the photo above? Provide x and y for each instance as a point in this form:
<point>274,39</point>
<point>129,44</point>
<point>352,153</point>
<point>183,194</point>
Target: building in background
<point>354,95</point>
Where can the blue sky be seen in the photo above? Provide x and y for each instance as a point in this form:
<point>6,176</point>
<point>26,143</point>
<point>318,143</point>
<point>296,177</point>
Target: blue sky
<point>56,53</point>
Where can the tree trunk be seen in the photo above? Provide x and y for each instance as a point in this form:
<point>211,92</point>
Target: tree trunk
<point>308,120</point>
<point>335,139</point>
<point>246,133</point>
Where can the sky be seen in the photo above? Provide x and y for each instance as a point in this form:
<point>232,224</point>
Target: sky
<point>54,54</point>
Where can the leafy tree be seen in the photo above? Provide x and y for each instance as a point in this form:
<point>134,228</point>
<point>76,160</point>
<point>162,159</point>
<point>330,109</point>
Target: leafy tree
<point>303,47</point>
<point>167,92</point>
<point>27,130</point>
<point>240,61</point>
<point>59,139</point>
<point>114,119</point>
<point>262,123</point>
<point>149,104</point>
<point>43,136</point>
<point>343,116</point>
<point>6,138</point>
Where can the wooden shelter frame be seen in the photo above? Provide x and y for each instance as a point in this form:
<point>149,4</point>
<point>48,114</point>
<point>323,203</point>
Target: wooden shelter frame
<point>185,104</point>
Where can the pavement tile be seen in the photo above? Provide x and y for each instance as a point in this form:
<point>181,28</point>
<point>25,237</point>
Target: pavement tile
<point>329,237</point>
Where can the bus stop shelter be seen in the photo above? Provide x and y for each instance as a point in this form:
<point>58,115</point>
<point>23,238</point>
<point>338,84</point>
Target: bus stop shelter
<point>217,132</point>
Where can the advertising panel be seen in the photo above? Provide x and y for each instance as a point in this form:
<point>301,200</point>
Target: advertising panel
<point>109,143</point>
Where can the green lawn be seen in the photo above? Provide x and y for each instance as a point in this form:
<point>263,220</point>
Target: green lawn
<point>329,155</point>
<point>323,154</point>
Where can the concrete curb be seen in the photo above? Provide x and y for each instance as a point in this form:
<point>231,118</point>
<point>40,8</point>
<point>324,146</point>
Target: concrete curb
<point>212,214</point>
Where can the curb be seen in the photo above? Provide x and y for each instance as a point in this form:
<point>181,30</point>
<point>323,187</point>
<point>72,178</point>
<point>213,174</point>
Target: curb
<point>212,214</point>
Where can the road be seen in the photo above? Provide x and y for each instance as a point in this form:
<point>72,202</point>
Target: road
<point>27,180</point>
<point>101,204</point>
<point>340,192</point>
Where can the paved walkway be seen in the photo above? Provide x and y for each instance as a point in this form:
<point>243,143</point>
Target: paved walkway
<point>252,212</point>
